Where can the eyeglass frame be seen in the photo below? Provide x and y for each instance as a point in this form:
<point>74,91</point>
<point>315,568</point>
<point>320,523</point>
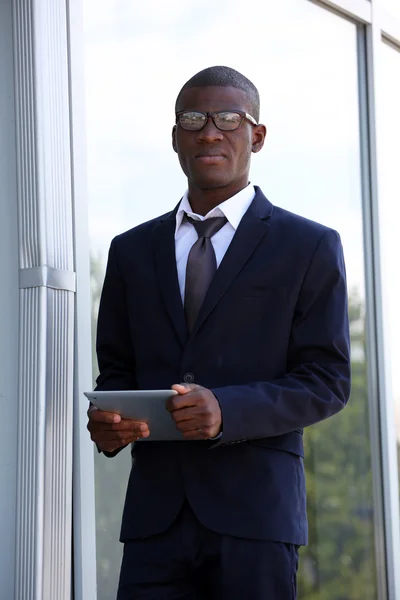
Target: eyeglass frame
<point>244,115</point>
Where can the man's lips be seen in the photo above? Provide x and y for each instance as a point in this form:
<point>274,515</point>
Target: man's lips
<point>210,159</point>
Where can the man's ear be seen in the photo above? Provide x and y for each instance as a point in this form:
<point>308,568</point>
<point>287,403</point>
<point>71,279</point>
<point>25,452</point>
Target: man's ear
<point>259,135</point>
<point>174,138</point>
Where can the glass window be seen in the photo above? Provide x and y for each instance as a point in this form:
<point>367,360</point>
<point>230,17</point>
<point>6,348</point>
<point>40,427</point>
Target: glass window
<point>392,7</point>
<point>138,55</point>
<point>390,215</point>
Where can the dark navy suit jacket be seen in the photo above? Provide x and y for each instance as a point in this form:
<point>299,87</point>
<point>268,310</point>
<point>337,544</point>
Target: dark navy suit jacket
<point>272,343</point>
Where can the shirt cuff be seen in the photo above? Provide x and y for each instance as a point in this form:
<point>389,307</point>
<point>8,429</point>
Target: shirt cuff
<point>216,437</point>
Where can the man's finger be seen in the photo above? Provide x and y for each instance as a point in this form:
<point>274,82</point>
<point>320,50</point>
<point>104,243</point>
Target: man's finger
<point>190,398</point>
<point>114,421</point>
<point>116,438</point>
<point>125,425</point>
<point>185,388</point>
<point>186,426</point>
<point>128,425</point>
<point>114,445</point>
<point>101,416</point>
<point>186,414</point>
<point>182,388</point>
<point>131,427</point>
<point>195,434</point>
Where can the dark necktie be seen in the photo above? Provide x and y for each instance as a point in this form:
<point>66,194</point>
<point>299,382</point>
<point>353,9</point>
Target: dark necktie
<point>201,266</point>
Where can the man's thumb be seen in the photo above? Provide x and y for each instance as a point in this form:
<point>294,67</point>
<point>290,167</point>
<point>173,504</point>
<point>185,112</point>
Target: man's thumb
<point>184,388</point>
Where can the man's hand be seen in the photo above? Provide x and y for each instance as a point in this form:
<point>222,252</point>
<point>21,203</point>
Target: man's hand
<point>196,412</point>
<point>110,432</point>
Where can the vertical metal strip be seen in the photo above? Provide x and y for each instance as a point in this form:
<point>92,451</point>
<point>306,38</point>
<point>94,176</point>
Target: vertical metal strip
<point>84,527</point>
<point>385,409</point>
<point>370,325</point>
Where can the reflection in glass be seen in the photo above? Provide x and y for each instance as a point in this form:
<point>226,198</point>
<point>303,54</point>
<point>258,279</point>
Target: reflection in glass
<point>392,7</point>
<point>138,56</point>
<point>339,491</point>
<point>390,216</point>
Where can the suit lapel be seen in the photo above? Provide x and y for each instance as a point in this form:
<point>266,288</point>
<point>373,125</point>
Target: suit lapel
<point>165,264</point>
<point>252,229</point>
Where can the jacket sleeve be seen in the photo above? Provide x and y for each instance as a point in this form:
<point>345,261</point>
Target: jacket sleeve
<point>317,382</point>
<point>113,345</point>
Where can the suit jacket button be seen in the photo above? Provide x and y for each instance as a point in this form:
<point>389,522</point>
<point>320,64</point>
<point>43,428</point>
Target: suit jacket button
<point>188,378</point>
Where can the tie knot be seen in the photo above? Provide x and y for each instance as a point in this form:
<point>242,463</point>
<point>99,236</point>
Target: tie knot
<point>208,227</point>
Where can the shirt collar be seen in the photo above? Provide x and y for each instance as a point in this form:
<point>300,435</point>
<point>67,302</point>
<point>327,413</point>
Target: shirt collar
<point>233,208</point>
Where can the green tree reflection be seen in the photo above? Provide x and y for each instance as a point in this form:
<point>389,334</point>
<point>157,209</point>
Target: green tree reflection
<point>339,562</point>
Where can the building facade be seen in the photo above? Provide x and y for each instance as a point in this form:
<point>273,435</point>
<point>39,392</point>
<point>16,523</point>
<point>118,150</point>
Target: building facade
<point>87,92</point>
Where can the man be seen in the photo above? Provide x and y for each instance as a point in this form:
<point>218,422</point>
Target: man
<point>241,307</point>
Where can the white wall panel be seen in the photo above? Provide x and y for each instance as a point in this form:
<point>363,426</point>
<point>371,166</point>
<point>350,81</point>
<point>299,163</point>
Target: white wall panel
<point>46,317</point>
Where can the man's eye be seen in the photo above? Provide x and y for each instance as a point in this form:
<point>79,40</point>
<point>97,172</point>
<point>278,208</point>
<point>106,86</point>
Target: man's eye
<point>229,117</point>
<point>192,117</point>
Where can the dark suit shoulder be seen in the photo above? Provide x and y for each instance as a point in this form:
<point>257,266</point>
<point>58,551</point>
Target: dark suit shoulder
<point>140,232</point>
<point>300,231</point>
<point>287,223</point>
<point>285,218</point>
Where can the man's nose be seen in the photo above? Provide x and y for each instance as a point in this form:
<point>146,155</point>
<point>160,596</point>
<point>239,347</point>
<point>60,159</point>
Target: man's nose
<point>210,133</point>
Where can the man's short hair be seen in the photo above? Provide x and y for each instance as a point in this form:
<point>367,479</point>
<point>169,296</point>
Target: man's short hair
<point>225,77</point>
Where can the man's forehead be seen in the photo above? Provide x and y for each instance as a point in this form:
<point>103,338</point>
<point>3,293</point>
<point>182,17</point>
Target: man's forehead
<point>213,98</point>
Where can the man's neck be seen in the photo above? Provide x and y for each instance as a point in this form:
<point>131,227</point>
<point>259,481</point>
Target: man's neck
<point>204,200</point>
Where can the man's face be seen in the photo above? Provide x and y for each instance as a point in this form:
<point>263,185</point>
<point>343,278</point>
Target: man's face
<point>211,158</point>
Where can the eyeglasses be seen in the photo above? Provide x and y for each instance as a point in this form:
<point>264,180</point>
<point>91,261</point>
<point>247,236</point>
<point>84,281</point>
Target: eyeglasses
<point>224,120</point>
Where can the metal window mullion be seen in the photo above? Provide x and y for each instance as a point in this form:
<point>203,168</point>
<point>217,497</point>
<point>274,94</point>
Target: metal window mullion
<point>84,528</point>
<point>370,319</point>
<point>385,413</point>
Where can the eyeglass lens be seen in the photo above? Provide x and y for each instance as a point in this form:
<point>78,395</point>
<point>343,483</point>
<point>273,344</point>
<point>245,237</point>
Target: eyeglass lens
<point>226,121</point>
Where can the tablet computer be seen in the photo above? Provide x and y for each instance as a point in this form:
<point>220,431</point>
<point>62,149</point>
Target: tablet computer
<point>141,405</point>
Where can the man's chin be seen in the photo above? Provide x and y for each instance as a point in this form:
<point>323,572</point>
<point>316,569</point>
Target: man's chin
<point>211,184</point>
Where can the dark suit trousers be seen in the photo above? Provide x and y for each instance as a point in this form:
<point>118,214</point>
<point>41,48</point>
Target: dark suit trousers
<point>190,562</point>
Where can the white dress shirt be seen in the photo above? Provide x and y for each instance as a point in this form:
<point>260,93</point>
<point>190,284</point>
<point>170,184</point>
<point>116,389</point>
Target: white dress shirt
<point>185,234</point>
